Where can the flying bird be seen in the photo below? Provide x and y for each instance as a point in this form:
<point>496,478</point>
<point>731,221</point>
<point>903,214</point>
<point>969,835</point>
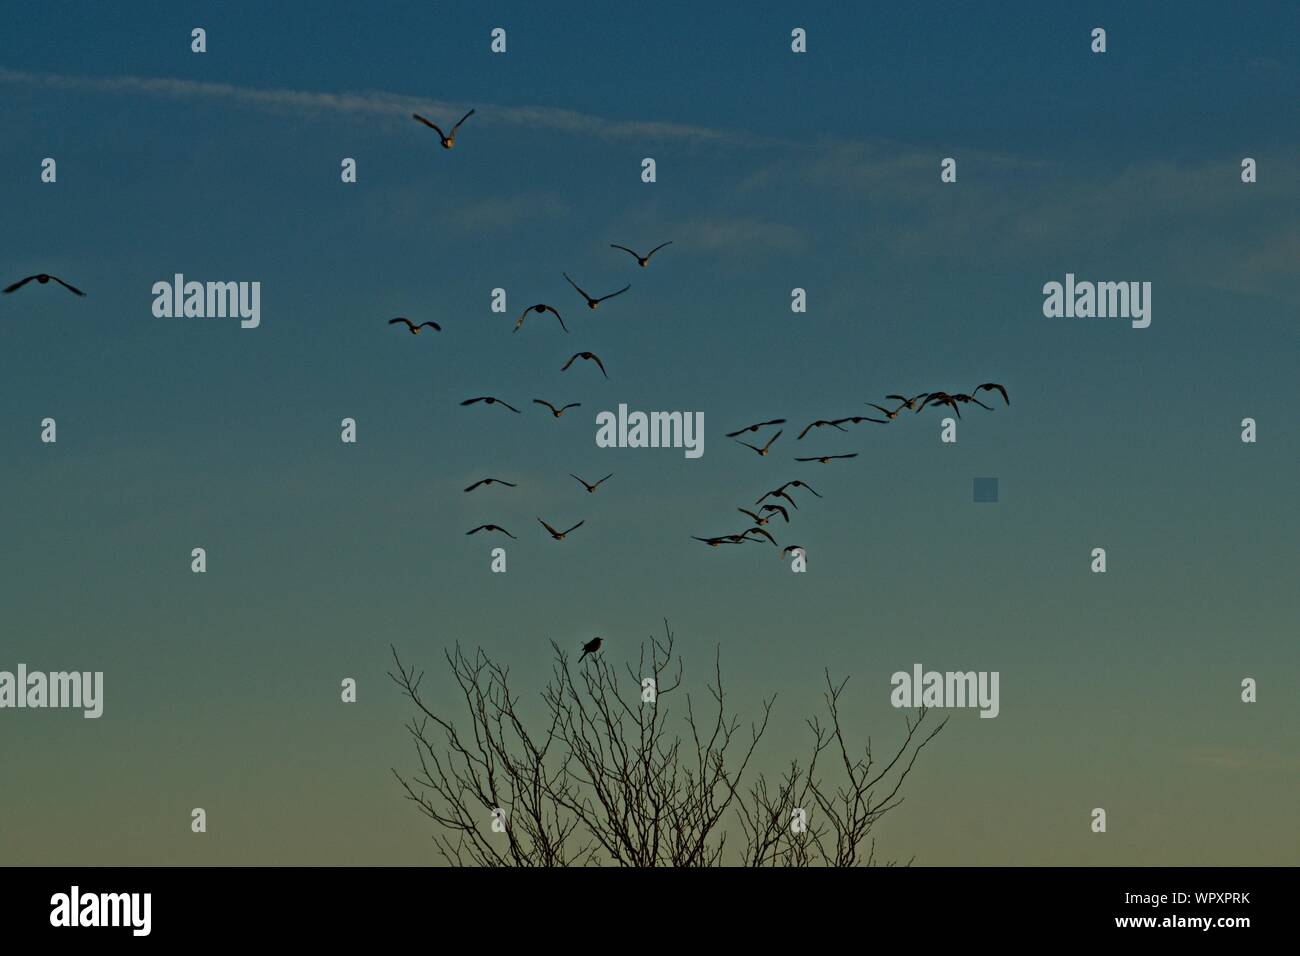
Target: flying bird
<point>993,386</point>
<point>588,356</point>
<point>798,484</point>
<point>714,542</point>
<point>557,412</point>
<point>592,303</point>
<point>42,278</point>
<point>758,519</point>
<point>559,535</point>
<point>642,261</point>
<point>540,308</point>
<point>940,398</point>
<point>763,533</point>
<point>415,329</point>
<point>591,488</point>
<point>491,401</point>
<point>887,413</point>
<point>754,428</point>
<point>591,647</point>
<point>908,403</point>
<point>820,423</point>
<point>491,527</point>
<point>964,398</point>
<point>762,451</point>
<point>779,493</point>
<point>448,139</point>
<point>826,458</point>
<point>491,481</point>
<point>774,509</point>
<point>858,419</point>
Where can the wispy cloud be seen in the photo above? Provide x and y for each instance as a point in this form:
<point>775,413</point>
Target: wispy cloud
<point>381,103</point>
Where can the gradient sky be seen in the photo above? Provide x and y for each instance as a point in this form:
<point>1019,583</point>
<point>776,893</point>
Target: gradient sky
<point>774,171</point>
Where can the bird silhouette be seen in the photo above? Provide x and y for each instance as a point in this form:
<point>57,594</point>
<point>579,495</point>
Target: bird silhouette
<point>820,423</point>
<point>940,398</point>
<point>448,139</point>
<point>491,481</point>
<point>779,493</point>
<point>591,647</point>
<point>592,303</point>
<point>826,458</point>
<point>754,428</point>
<point>559,535</point>
<point>763,533</point>
<point>540,308</point>
<point>964,399</point>
<point>587,356</point>
<point>491,527</point>
<point>776,509</point>
<point>859,419</point>
<point>992,386</point>
<point>557,412</point>
<point>757,519</point>
<point>908,403</point>
<point>642,261</point>
<point>591,488</point>
<point>715,542</point>
<point>764,450</point>
<point>888,414</point>
<point>799,484</point>
<point>42,278</point>
<point>415,329</point>
<point>490,401</point>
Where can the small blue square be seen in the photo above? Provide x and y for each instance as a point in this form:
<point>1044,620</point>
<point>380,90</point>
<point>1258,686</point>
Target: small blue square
<point>986,489</point>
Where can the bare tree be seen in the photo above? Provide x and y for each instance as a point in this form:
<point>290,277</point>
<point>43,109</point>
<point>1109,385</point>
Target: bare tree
<point>604,779</point>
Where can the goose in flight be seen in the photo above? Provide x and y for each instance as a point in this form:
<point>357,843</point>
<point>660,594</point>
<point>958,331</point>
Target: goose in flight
<point>940,398</point>
<point>591,488</point>
<point>587,356</point>
<point>859,419</point>
<point>491,401</point>
<point>779,493</point>
<point>448,139</point>
<point>886,412</point>
<point>820,423</point>
<point>557,412</point>
<point>642,261</point>
<point>592,303</point>
<point>775,509</point>
<point>540,308</point>
<point>591,647</point>
<point>759,520</point>
<point>908,403</point>
<point>799,484</point>
<point>826,458</point>
<point>492,527</point>
<point>763,533</point>
<point>754,428</point>
<point>762,451</point>
<point>964,398</point>
<point>559,535</point>
<point>491,481</point>
<point>415,329</point>
<point>42,278</point>
<point>714,542</point>
<point>993,386</point>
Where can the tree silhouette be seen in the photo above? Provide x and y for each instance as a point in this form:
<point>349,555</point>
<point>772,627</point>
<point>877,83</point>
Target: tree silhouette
<point>603,779</point>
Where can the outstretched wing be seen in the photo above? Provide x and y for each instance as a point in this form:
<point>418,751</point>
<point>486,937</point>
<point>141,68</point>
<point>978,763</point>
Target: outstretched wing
<point>390,321</point>
<point>461,120</point>
<point>612,294</point>
<point>66,286</point>
<point>565,368</point>
<point>538,401</point>
<point>576,526</point>
<point>19,284</point>
<point>433,325</point>
<point>596,358</point>
<point>432,126</point>
<point>575,285</point>
<point>657,248</point>
<point>548,527</point>
<point>614,245</point>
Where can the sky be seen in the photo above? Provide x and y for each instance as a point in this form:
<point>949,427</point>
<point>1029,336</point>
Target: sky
<point>774,170</point>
